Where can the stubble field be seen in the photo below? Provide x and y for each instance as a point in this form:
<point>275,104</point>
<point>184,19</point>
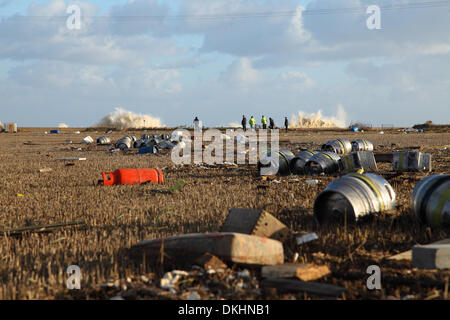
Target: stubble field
<point>33,265</point>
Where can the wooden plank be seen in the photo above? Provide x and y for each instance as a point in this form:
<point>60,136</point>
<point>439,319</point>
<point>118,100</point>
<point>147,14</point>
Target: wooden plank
<point>304,272</point>
<point>431,256</point>
<point>229,247</point>
<point>407,255</point>
<point>297,286</point>
<point>256,222</point>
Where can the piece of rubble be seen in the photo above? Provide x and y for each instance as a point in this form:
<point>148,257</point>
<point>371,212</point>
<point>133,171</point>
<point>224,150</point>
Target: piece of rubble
<point>256,222</point>
<point>431,256</point>
<point>304,237</point>
<point>209,261</point>
<point>304,272</point>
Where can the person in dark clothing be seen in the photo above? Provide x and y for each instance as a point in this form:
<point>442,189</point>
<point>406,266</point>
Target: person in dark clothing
<point>271,123</point>
<point>244,123</point>
<point>286,123</point>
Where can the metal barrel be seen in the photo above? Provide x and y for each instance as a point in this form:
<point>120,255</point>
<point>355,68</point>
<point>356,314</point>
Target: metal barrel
<point>146,137</point>
<point>338,146</point>
<point>125,143</point>
<point>362,145</point>
<point>103,140</point>
<point>411,161</point>
<point>353,196</point>
<point>431,200</point>
<point>284,159</point>
<point>323,162</point>
<point>298,163</point>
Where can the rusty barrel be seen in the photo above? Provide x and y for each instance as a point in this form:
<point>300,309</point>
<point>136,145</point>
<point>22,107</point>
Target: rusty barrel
<point>362,145</point>
<point>431,200</point>
<point>298,163</point>
<point>323,162</point>
<point>277,164</point>
<point>353,196</point>
<point>339,146</point>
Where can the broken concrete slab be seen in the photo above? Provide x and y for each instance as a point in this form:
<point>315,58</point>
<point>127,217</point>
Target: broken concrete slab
<point>411,161</point>
<point>256,222</point>
<point>304,272</point>
<point>431,256</point>
<point>230,247</point>
<point>407,255</point>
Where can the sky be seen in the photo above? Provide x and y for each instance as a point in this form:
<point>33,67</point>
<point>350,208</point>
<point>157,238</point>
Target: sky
<point>220,59</point>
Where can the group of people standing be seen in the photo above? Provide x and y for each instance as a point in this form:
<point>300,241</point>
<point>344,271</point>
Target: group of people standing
<point>252,123</point>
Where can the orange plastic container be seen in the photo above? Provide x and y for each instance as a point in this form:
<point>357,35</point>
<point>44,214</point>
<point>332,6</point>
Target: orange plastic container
<point>132,176</point>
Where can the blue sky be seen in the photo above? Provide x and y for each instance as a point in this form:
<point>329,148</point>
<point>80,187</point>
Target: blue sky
<point>214,59</point>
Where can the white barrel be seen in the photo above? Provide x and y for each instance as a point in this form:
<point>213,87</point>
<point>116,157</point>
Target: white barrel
<point>431,200</point>
<point>125,143</point>
<point>353,196</point>
<point>284,158</point>
<point>103,140</point>
<point>362,145</point>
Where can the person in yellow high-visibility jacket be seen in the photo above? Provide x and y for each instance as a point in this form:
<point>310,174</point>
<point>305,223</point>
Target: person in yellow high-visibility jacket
<point>252,122</point>
<point>264,122</point>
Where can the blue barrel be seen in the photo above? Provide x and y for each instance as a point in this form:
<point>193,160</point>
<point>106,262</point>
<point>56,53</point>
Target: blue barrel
<point>54,131</point>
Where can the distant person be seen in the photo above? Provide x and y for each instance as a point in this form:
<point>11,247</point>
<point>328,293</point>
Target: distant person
<point>244,123</point>
<point>286,123</point>
<point>197,125</point>
<point>252,122</point>
<point>271,123</point>
<point>264,122</point>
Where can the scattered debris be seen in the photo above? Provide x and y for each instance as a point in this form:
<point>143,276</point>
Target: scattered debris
<point>54,131</point>
<point>209,261</point>
<point>304,272</point>
<point>104,140</point>
<point>45,170</point>
<point>304,237</point>
<point>411,161</point>
<point>359,160</point>
<point>87,140</point>
<point>312,182</point>
<point>255,222</point>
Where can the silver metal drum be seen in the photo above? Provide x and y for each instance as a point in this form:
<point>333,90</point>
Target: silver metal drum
<point>298,163</point>
<point>284,158</point>
<point>431,200</point>
<point>104,140</point>
<point>353,196</point>
<point>338,146</point>
<point>362,145</point>
<point>323,162</point>
<point>125,143</point>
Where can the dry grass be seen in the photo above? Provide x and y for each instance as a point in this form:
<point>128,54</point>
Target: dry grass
<point>33,266</point>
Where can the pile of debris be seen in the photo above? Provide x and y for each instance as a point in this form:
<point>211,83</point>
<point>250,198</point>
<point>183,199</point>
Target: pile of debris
<point>251,239</point>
